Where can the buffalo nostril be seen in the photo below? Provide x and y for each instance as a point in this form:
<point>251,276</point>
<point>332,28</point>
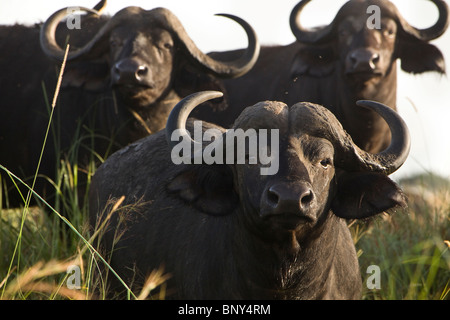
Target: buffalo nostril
<point>116,70</point>
<point>130,71</point>
<point>306,199</point>
<point>272,197</point>
<point>375,59</point>
<point>289,198</point>
<point>141,71</point>
<point>363,60</point>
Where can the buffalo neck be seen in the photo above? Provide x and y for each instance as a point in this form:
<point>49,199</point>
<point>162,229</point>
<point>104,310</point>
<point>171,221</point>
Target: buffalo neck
<point>286,267</point>
<point>149,119</point>
<point>368,130</point>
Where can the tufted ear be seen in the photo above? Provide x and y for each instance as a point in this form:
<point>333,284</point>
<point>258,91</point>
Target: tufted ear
<point>418,56</point>
<point>91,71</point>
<point>314,61</point>
<point>188,80</point>
<point>208,188</point>
<point>88,75</point>
<point>364,194</point>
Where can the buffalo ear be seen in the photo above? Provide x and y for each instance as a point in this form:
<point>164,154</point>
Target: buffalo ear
<point>189,79</point>
<point>362,195</point>
<point>88,75</point>
<point>418,56</point>
<point>90,71</point>
<point>208,188</point>
<point>314,61</point>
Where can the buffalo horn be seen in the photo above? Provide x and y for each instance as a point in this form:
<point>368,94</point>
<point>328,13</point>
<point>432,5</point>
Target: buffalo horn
<point>48,30</point>
<point>323,33</point>
<point>303,34</point>
<point>434,31</point>
<point>179,114</point>
<point>99,7</point>
<point>393,157</point>
<point>229,69</point>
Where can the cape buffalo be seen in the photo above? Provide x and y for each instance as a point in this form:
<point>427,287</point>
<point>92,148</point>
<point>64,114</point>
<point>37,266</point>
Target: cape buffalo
<point>224,230</point>
<point>352,58</point>
<point>119,85</point>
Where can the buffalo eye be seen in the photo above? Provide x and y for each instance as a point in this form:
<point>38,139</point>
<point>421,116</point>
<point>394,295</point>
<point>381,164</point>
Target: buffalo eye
<point>389,29</point>
<point>165,42</point>
<point>164,47</point>
<point>326,163</point>
<point>168,45</point>
<point>343,33</point>
<point>389,33</point>
<point>345,30</point>
<point>114,43</point>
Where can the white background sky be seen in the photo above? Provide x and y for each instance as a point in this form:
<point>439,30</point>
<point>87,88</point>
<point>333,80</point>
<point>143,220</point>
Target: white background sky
<point>428,119</point>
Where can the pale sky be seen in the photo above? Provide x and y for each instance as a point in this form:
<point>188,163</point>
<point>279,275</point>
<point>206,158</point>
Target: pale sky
<point>428,117</point>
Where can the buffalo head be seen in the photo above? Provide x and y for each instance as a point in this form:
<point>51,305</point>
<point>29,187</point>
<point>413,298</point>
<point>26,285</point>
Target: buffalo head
<point>138,52</point>
<point>319,166</point>
<point>365,48</point>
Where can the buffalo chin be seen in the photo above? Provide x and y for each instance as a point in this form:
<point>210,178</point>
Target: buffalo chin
<point>365,85</point>
<point>137,95</point>
<point>364,77</point>
<point>288,222</point>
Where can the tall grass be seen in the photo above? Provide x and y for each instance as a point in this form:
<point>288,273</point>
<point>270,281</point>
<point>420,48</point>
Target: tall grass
<point>410,246</point>
<point>18,244</point>
<point>39,246</point>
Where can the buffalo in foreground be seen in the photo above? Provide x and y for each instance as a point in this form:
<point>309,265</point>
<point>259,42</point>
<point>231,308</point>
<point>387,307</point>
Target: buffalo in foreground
<point>336,65</point>
<point>225,231</point>
<point>119,85</point>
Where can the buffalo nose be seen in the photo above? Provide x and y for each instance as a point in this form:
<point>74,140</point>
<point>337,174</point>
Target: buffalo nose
<point>364,60</point>
<point>129,71</point>
<point>292,198</point>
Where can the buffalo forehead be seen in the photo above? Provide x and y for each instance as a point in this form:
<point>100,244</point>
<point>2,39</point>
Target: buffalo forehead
<point>313,119</point>
<point>264,115</point>
<point>159,17</point>
<point>301,118</point>
<point>358,8</point>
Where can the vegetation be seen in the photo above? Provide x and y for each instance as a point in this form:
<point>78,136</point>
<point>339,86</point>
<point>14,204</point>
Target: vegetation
<point>43,254</point>
<point>410,246</point>
<point>38,246</point>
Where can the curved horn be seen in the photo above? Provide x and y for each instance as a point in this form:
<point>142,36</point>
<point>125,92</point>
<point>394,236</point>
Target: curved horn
<point>179,114</point>
<point>229,69</point>
<point>303,34</point>
<point>434,31</point>
<point>99,7</point>
<point>393,157</point>
<point>319,121</point>
<point>47,33</point>
<point>319,34</point>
